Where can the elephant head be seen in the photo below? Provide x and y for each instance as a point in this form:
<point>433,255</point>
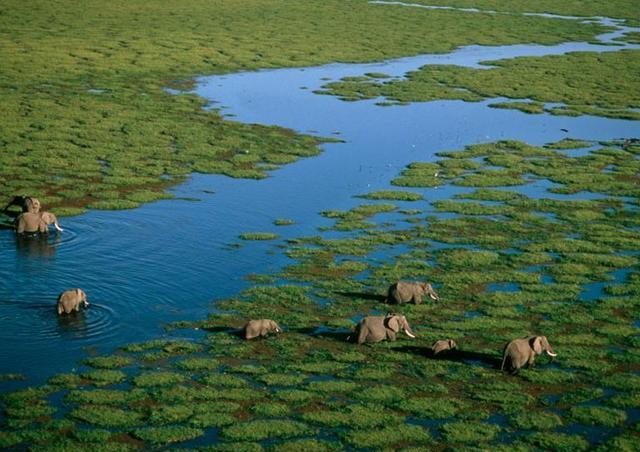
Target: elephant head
<point>260,328</point>
<point>49,218</point>
<point>428,289</point>
<point>398,323</point>
<point>443,345</point>
<point>540,344</point>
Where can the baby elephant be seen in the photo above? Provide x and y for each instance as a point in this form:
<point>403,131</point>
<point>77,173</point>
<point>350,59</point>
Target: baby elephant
<point>260,328</point>
<point>523,351</point>
<point>71,300</point>
<point>378,328</point>
<point>443,345</point>
<point>407,291</point>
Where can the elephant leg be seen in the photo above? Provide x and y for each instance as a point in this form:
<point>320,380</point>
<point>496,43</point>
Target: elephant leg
<point>391,335</point>
<point>417,299</point>
<point>77,308</point>
<point>531,361</point>
<point>362,334</point>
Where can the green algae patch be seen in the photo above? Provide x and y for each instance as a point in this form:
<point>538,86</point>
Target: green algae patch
<point>354,416</point>
<point>104,396</point>
<point>393,195</point>
<point>197,364</point>
<point>274,409</point>
<point>170,414</point>
<point>388,436</point>
<point>556,441</point>
<point>167,435</point>
<point>102,377</point>
<point>536,421</point>
<point>469,432</point>
<point>308,445</point>
<point>433,408</point>
<point>108,362</point>
<point>594,415</point>
<point>533,108</point>
<point>258,236</point>
<point>259,430</point>
<point>106,416</point>
<point>283,222</point>
<point>151,379</point>
<point>586,83</point>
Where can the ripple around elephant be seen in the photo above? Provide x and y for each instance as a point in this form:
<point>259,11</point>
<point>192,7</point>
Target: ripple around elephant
<point>523,351</point>
<point>410,291</point>
<point>71,300</point>
<point>260,328</point>
<point>378,328</point>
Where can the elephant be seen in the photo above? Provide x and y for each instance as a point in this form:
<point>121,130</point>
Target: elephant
<point>30,222</point>
<point>523,351</point>
<point>70,300</point>
<point>36,222</point>
<point>26,203</point>
<point>260,328</point>
<point>443,345</point>
<point>376,328</point>
<point>49,218</point>
<point>406,291</point>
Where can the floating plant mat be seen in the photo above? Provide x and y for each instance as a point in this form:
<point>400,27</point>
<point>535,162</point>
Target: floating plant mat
<point>517,264</point>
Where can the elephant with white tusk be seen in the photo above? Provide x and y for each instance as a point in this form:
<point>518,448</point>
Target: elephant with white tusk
<point>378,328</point>
<point>49,218</point>
<point>410,291</point>
<point>31,222</point>
<point>523,351</point>
<point>260,328</point>
<point>443,345</point>
<point>70,300</point>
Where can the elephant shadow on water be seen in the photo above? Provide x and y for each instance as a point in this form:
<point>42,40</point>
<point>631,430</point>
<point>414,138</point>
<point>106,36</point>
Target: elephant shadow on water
<point>486,360</point>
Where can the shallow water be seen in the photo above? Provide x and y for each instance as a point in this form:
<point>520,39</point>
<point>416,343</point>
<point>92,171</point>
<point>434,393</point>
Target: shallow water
<point>169,260</point>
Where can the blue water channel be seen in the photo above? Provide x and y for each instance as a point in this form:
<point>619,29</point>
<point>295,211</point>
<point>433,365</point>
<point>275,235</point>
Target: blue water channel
<point>170,260</point>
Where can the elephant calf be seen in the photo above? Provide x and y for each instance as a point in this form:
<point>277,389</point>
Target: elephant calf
<point>378,328</point>
<point>523,351</point>
<point>443,345</point>
<point>260,328</point>
<point>407,291</point>
<point>70,300</point>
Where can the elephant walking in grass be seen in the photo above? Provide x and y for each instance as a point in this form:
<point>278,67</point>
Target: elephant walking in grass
<point>523,351</point>
<point>443,346</point>
<point>260,328</point>
<point>378,328</point>
<point>410,291</point>
<point>70,300</point>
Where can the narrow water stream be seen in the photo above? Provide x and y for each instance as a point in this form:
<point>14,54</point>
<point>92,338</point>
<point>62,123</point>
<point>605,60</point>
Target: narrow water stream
<point>169,260</point>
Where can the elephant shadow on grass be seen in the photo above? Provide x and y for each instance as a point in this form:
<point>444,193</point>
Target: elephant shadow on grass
<point>363,296</point>
<point>485,360</point>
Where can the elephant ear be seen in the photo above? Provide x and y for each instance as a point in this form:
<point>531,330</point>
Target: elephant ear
<point>536,344</point>
<point>393,323</point>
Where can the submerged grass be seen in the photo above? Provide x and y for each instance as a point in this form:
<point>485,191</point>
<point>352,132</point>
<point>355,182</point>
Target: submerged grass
<point>503,270</point>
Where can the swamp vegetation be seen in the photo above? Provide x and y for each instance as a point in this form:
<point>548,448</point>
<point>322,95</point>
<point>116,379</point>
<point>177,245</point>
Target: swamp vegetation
<point>88,122</point>
<point>517,253</point>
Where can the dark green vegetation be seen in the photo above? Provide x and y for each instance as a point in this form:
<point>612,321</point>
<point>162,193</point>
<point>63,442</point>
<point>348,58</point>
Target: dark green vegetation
<point>87,120</point>
<point>505,265</point>
<point>620,9</point>
<point>602,84</point>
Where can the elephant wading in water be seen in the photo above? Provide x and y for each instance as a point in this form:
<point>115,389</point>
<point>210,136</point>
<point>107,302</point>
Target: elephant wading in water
<point>36,222</point>
<point>70,300</point>
<point>407,291</point>
<point>523,351</point>
<point>260,328</point>
<point>378,328</point>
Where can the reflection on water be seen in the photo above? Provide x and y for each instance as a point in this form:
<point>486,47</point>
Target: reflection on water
<point>161,262</point>
<point>35,246</point>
